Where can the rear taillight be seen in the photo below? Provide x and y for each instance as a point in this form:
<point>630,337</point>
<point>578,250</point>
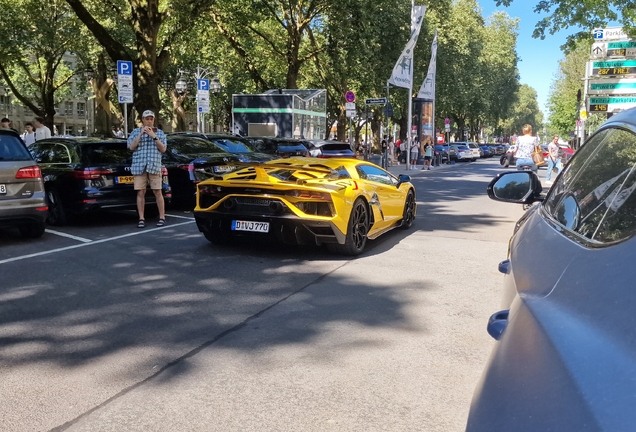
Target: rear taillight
<point>90,174</point>
<point>164,171</point>
<point>29,172</point>
<point>184,167</point>
<point>307,194</point>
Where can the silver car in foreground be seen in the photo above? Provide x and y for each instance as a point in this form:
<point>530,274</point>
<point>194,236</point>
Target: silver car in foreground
<point>565,359</point>
<point>22,198</point>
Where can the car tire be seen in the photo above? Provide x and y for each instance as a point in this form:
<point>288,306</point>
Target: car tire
<point>504,161</point>
<point>357,230</point>
<point>32,230</point>
<point>57,215</point>
<point>408,215</point>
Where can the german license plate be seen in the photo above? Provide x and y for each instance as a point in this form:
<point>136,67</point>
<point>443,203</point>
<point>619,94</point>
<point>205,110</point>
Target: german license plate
<point>3,189</point>
<point>124,179</point>
<point>222,168</point>
<point>239,225</point>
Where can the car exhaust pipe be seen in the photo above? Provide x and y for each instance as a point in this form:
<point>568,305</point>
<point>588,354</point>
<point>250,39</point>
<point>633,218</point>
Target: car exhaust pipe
<point>229,204</point>
<point>275,207</point>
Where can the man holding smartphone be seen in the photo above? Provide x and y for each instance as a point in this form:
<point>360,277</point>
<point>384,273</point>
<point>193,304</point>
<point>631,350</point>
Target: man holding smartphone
<point>147,144</point>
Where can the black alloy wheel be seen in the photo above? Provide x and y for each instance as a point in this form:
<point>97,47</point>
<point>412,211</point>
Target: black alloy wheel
<point>357,230</point>
<point>408,217</point>
<point>57,215</point>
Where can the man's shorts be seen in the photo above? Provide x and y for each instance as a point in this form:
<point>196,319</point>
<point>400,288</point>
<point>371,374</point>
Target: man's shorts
<point>142,181</point>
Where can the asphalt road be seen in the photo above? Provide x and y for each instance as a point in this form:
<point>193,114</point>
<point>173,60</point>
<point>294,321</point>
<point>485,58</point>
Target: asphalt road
<point>105,327</point>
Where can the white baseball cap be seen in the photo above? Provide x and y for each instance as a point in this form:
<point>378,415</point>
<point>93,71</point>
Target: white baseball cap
<point>148,113</point>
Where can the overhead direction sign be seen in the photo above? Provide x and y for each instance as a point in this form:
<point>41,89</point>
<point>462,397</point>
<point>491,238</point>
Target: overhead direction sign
<point>375,101</point>
<point>611,103</point>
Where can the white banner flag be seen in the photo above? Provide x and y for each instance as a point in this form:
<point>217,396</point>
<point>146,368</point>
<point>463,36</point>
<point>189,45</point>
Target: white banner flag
<point>427,91</point>
<point>402,75</point>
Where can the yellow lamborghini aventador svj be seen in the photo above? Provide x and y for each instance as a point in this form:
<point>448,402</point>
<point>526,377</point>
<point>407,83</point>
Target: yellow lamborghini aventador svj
<point>337,202</point>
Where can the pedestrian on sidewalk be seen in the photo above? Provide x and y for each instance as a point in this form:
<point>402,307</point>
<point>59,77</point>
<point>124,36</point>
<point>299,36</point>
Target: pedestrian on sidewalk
<point>428,153</point>
<point>415,148</point>
<point>41,131</point>
<point>29,134</point>
<point>398,150</point>
<point>391,152</point>
<point>554,161</point>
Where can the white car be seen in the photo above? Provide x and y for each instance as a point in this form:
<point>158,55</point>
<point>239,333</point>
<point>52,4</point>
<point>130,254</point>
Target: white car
<point>474,148</point>
<point>463,152</point>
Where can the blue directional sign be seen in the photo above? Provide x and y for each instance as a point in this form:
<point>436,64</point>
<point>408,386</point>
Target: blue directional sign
<point>124,67</point>
<point>203,84</point>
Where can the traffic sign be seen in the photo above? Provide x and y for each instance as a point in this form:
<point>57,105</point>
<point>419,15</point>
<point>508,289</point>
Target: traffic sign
<point>375,101</point>
<point>615,67</point>
<point>351,113</point>
<point>350,105</point>
<point>447,121</point>
<point>611,103</point>
<point>388,110</point>
<point>125,91</point>
<point>124,67</point>
<point>610,33</point>
<point>203,84</point>
<point>350,96</point>
<point>616,86</point>
<point>447,127</point>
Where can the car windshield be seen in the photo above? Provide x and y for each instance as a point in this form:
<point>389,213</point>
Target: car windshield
<point>106,153</point>
<point>12,149</point>
<point>192,146</point>
<point>462,147</point>
<point>232,145</point>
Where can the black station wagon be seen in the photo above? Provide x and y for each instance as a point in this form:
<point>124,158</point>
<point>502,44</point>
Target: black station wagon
<point>89,174</point>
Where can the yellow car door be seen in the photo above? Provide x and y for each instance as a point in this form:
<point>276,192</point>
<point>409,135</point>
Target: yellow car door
<point>387,200</point>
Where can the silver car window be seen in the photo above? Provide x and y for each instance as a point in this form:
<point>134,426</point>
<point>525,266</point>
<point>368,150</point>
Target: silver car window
<point>594,197</point>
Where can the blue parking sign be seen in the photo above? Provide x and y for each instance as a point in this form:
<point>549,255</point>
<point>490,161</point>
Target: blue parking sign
<point>203,84</point>
<point>124,67</point>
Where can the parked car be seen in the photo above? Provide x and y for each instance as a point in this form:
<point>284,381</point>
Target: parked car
<point>22,198</point>
<point>499,149</point>
<point>487,150</point>
<point>463,152</point>
<point>441,150</point>
<point>180,158</point>
<point>329,149</point>
<point>566,341</point>
<point>280,147</point>
<point>474,147</point>
<point>83,175</point>
<point>231,144</point>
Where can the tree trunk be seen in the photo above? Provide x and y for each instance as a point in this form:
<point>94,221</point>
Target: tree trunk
<point>178,113</point>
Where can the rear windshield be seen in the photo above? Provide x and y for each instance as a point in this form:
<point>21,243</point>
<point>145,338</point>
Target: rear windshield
<point>12,149</point>
<point>337,146</point>
<point>463,147</point>
<point>106,153</point>
<point>192,146</point>
<point>232,145</point>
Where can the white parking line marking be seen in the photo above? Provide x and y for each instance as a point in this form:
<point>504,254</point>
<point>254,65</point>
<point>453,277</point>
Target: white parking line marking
<point>81,239</point>
<point>52,251</point>
<point>181,217</point>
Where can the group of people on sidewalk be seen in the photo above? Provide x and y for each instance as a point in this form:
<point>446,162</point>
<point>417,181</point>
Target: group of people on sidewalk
<point>394,151</point>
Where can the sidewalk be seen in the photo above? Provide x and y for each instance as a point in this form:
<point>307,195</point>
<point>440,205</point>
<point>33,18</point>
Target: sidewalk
<point>401,169</point>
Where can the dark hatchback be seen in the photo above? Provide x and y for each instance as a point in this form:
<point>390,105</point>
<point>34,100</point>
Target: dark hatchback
<point>184,155</point>
<point>329,149</point>
<point>241,147</point>
<point>89,174</point>
<point>280,147</point>
<point>565,356</point>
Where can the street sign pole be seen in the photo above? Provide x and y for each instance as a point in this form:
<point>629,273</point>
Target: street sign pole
<point>385,160</point>
<point>366,132</point>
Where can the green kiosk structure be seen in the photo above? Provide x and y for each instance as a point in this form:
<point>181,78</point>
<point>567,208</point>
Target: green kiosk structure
<point>281,113</point>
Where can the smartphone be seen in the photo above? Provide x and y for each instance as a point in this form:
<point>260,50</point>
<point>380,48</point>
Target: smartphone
<point>154,129</point>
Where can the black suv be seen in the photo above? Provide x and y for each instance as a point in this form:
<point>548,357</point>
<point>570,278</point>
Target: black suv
<point>22,198</point>
<point>280,147</point>
<point>87,174</point>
